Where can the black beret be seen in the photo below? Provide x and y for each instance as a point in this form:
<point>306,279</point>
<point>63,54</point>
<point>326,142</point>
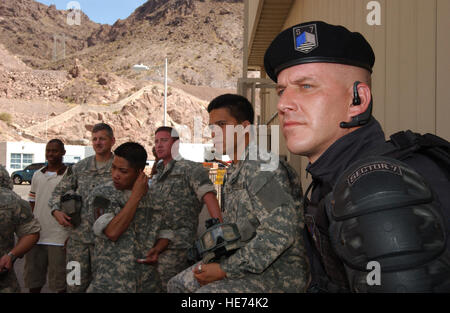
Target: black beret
<point>317,42</point>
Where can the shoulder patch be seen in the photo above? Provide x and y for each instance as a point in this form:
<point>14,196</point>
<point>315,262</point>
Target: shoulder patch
<point>100,205</point>
<point>365,169</point>
<point>268,191</point>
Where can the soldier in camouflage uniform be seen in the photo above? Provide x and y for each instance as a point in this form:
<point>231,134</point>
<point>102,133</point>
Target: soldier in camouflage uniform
<point>266,207</point>
<point>125,253</point>
<point>15,217</point>
<point>180,187</point>
<point>84,177</point>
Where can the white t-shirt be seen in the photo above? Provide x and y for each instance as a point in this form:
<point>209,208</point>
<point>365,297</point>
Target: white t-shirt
<point>42,186</point>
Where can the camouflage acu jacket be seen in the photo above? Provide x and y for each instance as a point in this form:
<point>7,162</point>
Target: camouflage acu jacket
<point>83,178</point>
<point>17,218</point>
<point>178,189</point>
<point>115,268</point>
<point>266,206</point>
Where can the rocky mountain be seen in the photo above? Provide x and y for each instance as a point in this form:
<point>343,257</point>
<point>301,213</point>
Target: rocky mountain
<point>202,40</point>
<point>134,120</point>
<point>29,30</point>
<point>37,105</point>
<point>10,62</point>
<point>78,85</point>
<point>45,93</point>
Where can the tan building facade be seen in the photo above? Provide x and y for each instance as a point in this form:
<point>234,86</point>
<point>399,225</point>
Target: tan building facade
<point>411,76</point>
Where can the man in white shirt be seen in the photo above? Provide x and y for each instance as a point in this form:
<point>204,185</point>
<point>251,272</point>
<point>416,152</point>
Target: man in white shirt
<point>49,254</point>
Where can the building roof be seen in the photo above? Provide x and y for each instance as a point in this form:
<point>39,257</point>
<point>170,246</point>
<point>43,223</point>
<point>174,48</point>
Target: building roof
<point>270,19</point>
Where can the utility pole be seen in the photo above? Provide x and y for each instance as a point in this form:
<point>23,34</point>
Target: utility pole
<point>142,67</point>
<point>165,93</point>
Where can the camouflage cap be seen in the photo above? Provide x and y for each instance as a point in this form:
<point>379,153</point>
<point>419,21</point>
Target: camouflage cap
<point>5,180</point>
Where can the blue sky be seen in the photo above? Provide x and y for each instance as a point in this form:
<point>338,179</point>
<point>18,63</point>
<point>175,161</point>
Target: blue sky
<point>101,11</point>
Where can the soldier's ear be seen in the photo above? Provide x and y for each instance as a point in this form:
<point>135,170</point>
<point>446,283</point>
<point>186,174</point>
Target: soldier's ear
<point>364,95</point>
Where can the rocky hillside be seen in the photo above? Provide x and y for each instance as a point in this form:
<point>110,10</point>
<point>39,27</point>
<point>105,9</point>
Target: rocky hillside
<point>136,120</point>
<point>202,40</point>
<point>43,98</point>
<point>78,85</point>
<point>28,29</point>
<point>37,105</point>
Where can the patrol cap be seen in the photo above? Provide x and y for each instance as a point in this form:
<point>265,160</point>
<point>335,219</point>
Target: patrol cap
<point>317,42</point>
<point>5,180</point>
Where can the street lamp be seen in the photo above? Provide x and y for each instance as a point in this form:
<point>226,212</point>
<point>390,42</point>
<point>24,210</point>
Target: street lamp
<point>142,67</point>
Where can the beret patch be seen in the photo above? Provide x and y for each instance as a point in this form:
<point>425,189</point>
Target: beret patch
<point>305,38</point>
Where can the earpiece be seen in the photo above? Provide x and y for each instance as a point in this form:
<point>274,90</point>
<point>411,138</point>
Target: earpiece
<point>356,98</point>
<point>362,118</point>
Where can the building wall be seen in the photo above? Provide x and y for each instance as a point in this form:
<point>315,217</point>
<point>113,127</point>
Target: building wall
<point>3,153</point>
<point>412,69</point>
<point>411,47</point>
<point>443,68</point>
<point>38,151</point>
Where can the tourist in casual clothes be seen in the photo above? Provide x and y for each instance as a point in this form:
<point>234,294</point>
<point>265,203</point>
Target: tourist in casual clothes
<point>48,255</point>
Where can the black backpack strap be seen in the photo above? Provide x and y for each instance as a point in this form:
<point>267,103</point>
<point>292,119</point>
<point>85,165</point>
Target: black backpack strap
<point>405,143</point>
<point>405,140</point>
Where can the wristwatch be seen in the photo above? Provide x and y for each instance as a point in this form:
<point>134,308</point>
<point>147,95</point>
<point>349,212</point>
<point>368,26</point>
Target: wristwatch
<point>12,256</point>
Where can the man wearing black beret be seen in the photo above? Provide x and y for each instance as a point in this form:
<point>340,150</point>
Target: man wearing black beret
<point>378,212</point>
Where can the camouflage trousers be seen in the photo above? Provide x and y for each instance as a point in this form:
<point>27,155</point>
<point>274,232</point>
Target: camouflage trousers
<point>84,255</point>
<point>185,282</point>
<point>9,283</point>
<point>143,278</point>
<point>170,263</point>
